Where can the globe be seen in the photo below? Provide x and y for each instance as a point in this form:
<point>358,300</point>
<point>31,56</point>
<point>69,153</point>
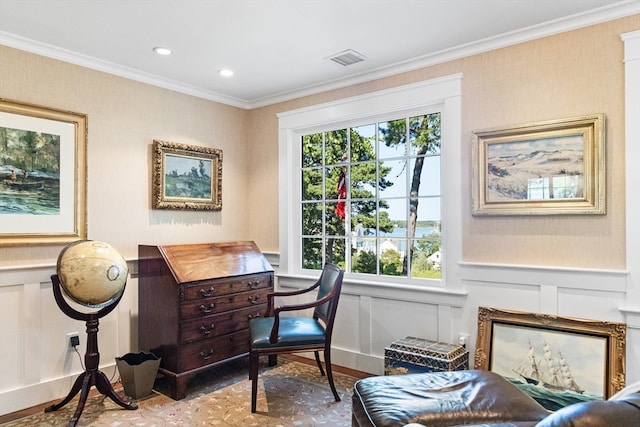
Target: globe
<point>92,273</point>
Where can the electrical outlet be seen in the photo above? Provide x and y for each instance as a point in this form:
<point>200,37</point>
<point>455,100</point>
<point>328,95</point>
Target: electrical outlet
<point>73,338</point>
<point>463,339</point>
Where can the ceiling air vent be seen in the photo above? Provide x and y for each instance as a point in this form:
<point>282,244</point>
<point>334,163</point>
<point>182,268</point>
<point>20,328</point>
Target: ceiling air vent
<point>347,57</point>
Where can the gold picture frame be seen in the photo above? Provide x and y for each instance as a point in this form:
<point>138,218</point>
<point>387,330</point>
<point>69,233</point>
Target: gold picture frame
<point>186,177</point>
<point>547,168</point>
<point>557,360</point>
<point>43,175</point>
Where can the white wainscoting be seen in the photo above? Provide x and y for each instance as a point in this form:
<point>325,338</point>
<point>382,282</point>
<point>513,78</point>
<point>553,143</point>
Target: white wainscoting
<point>36,365</point>
<point>371,317</point>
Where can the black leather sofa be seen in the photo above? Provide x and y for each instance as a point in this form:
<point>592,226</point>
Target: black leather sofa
<point>474,398</point>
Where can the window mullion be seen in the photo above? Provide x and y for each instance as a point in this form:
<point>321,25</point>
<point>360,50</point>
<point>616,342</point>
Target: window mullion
<point>367,161</point>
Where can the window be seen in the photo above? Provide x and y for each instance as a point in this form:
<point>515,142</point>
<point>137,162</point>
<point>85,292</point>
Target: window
<point>370,198</point>
<point>349,195</point>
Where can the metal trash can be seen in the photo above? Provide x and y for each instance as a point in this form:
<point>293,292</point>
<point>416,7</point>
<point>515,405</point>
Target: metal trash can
<point>138,372</point>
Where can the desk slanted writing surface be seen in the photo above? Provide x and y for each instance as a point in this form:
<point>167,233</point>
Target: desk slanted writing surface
<point>195,302</point>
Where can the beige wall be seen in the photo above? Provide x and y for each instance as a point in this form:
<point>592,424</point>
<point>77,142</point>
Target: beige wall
<point>571,74</point>
<point>124,117</point>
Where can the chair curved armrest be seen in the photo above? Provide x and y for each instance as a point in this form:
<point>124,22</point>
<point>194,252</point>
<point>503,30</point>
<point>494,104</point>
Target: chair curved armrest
<point>272,295</point>
<point>273,338</point>
<point>298,292</point>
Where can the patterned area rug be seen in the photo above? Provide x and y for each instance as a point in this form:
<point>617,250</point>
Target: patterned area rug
<point>289,394</point>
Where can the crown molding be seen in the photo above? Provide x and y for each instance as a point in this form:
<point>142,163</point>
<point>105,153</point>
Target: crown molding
<point>603,14</point>
<point>64,55</point>
<point>596,16</point>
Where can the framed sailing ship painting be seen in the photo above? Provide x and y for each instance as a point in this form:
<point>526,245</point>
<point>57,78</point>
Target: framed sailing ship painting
<point>556,360</point>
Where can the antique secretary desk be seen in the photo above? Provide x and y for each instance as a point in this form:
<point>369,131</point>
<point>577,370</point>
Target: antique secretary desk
<point>195,302</point>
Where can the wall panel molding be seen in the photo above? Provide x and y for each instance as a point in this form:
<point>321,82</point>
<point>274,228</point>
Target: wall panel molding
<point>575,278</point>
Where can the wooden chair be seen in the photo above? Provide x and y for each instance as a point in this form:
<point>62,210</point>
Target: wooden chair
<point>274,334</point>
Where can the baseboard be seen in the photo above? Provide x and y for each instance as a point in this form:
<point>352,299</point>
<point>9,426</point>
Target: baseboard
<point>30,396</point>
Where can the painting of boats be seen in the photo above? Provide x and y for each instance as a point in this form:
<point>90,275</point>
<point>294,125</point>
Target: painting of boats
<point>29,172</point>
<point>43,175</point>
<point>556,369</point>
<point>22,185</point>
<point>551,371</point>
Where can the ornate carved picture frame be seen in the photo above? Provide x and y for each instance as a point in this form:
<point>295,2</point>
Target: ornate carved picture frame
<point>186,177</point>
<point>548,168</point>
<point>556,360</point>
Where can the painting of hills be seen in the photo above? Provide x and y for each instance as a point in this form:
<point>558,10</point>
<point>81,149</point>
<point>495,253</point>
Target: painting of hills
<point>536,169</point>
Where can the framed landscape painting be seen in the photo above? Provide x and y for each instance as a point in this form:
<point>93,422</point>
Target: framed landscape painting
<point>548,168</point>
<point>557,360</point>
<point>42,175</point>
<point>186,177</point>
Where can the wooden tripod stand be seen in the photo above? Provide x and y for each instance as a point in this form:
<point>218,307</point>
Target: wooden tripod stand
<point>91,376</point>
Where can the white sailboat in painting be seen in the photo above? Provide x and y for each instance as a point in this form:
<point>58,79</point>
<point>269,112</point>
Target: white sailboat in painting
<point>551,372</point>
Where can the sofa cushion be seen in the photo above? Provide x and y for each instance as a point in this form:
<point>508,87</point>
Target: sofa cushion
<point>597,413</point>
<point>439,399</point>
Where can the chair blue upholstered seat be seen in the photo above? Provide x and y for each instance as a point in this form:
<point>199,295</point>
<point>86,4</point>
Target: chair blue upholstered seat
<point>275,334</point>
<point>293,331</point>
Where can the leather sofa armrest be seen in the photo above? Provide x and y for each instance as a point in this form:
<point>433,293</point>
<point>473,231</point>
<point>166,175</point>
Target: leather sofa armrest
<point>439,399</point>
<point>597,413</point>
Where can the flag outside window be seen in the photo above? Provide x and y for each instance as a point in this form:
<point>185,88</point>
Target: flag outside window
<point>342,195</point>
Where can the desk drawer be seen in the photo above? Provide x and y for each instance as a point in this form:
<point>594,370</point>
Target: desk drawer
<point>211,306</point>
<point>219,324</point>
<point>202,353</point>
<point>215,288</point>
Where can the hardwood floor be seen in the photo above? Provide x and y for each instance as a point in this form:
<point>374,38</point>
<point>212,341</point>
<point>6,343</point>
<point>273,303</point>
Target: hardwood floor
<point>336,368</point>
<point>39,408</point>
<point>33,410</point>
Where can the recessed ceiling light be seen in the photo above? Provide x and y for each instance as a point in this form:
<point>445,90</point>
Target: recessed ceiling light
<point>162,51</point>
<point>225,72</point>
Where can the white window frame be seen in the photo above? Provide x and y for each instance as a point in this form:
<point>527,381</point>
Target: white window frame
<point>442,93</point>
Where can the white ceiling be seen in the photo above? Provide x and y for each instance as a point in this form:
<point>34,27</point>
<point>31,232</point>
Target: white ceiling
<point>279,49</point>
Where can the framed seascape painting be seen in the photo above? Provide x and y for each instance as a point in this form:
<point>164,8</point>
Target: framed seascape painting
<point>556,360</point>
<point>547,168</point>
<point>186,177</point>
<point>42,175</point>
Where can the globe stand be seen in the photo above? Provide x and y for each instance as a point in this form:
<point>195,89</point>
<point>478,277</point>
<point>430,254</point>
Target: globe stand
<point>91,376</point>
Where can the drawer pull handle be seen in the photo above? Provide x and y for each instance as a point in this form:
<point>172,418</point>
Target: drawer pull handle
<point>254,284</point>
<point>206,294</point>
<point>206,356</point>
<point>206,331</point>
<point>206,309</point>
<point>254,316</point>
<point>253,299</point>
